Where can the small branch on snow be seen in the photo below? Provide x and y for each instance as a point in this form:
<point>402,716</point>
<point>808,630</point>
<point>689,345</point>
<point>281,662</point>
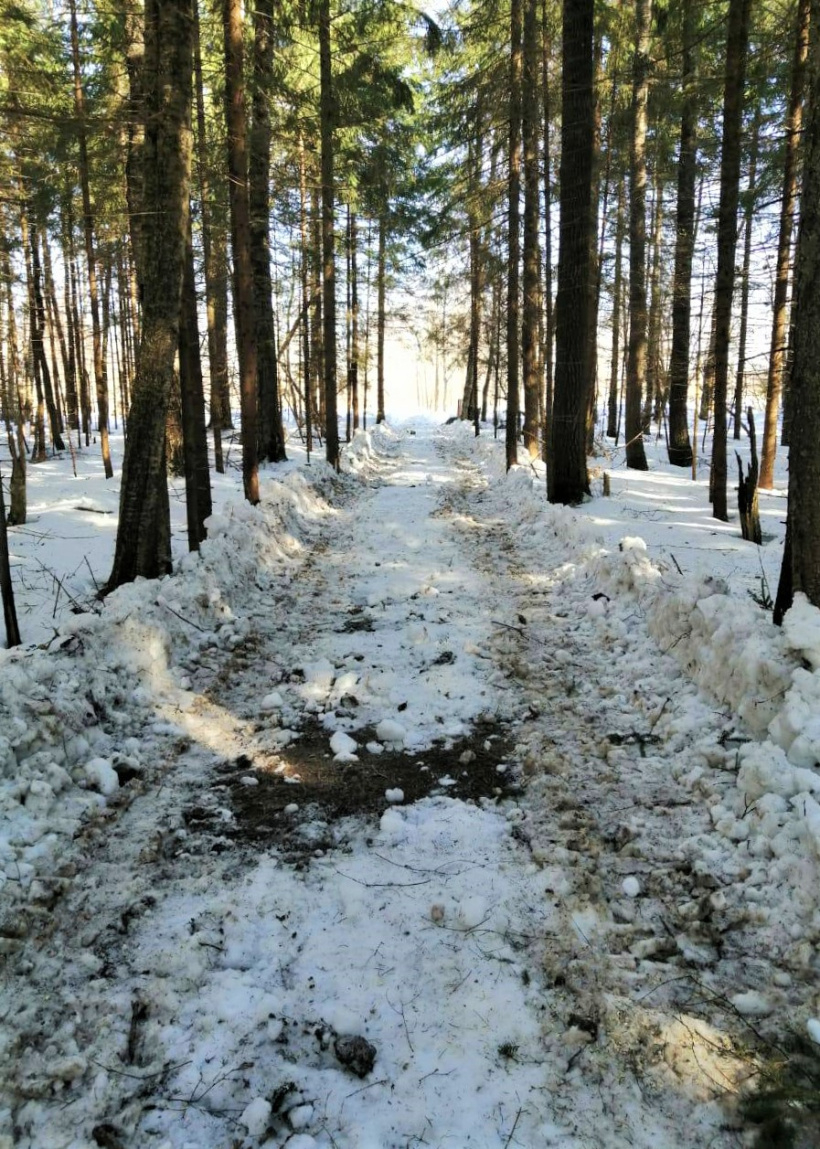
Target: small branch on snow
<point>372,1085</point>
<point>382,885</point>
<point>182,617</point>
<point>508,1142</point>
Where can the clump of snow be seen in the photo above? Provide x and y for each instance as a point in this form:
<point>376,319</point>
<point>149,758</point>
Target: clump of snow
<point>391,733</point>
<point>752,1004</point>
<point>255,1116</point>
<point>272,701</point>
<point>102,776</point>
<point>343,746</point>
<point>631,886</point>
<point>394,795</point>
<point>813,1027</point>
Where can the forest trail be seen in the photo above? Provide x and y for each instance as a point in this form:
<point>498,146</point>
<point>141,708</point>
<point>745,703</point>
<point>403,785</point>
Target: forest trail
<point>547,967</point>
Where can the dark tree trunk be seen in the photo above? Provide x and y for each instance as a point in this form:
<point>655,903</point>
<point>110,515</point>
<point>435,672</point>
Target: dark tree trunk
<point>214,308</point>
<point>801,562</point>
<point>567,470</point>
<point>38,325</point>
<point>654,372</point>
<point>143,546</point>
<point>194,434</point>
<point>737,40</point>
<point>307,375</point>
<point>777,355</point>
<point>353,374</point>
<point>381,276</point>
<point>328,238</point>
<point>549,333</point>
<point>6,588</point>
<point>533,383</point>
<point>636,364</point>
<point>243,295</point>
<point>514,236</point>
<point>271,433</point>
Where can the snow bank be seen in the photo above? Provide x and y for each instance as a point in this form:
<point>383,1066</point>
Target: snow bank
<point>100,700</point>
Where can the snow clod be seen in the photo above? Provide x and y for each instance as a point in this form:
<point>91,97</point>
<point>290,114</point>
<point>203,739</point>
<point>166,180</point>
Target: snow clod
<point>356,1054</point>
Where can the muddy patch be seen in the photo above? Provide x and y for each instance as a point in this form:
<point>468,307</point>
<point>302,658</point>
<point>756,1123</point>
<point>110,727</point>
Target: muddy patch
<point>293,802</point>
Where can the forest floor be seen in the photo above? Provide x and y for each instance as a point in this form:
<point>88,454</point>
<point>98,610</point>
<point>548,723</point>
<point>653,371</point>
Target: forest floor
<point>412,814</point>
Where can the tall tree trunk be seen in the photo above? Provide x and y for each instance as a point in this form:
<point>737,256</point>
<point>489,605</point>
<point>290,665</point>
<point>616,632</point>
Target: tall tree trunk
<point>143,545</point>
<point>38,326</point>
<point>737,40</point>
<point>514,236</point>
<point>217,335</point>
<point>549,333</point>
<point>100,375</point>
<point>271,432</point>
<point>532,286</point>
<point>617,288</point>
<point>801,560</point>
<point>328,240</point>
<point>38,451</point>
<point>748,216</point>
<point>71,389</point>
<point>381,276</point>
<point>595,270</point>
<point>654,371</point>
<point>6,588</point>
<point>471,399</point>
<point>636,365</point>
<point>194,433</point>
<point>244,315</point>
<point>354,318</point>
<point>680,448</point>
<point>777,355</point>
<point>307,376</point>
<point>567,479</point>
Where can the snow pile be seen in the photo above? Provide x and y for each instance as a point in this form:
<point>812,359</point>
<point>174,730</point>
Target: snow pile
<point>96,707</point>
<point>367,451</point>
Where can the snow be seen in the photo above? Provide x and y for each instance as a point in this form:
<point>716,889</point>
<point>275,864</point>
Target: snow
<point>574,963</point>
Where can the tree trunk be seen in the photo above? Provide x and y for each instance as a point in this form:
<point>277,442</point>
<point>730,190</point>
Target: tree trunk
<point>143,546</point>
<point>801,562</point>
<point>381,275</point>
<point>100,375</point>
<point>514,237</point>
<point>748,216</point>
<point>654,371</point>
<point>737,40</point>
<point>217,335</point>
<point>194,434</point>
<point>354,318</point>
<point>636,366</point>
<point>38,451</point>
<point>6,588</point>
<point>549,333</point>
<point>38,325</point>
<point>777,355</point>
<point>532,288</point>
<point>303,276</point>
<point>271,432</point>
<point>243,295</point>
<point>617,289</point>
<point>328,239</point>
<point>567,479</point>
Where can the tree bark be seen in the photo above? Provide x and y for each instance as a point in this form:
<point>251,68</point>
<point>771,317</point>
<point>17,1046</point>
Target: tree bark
<point>271,432</point>
<point>244,314</point>
<point>100,374</point>
<point>514,237</point>
<point>617,288</point>
<point>215,309</point>
<point>549,333</point>
<point>194,434</point>
<point>143,546</point>
<point>777,354</point>
<point>381,276</point>
<point>636,364</point>
<point>801,562</point>
<point>736,45</point>
<point>533,383</point>
<point>6,587</point>
<point>748,216</point>
<point>327,117</point>
<point>567,480</point>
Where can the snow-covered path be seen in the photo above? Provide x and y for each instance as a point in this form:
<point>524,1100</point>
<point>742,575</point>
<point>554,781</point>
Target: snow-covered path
<point>550,967</point>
